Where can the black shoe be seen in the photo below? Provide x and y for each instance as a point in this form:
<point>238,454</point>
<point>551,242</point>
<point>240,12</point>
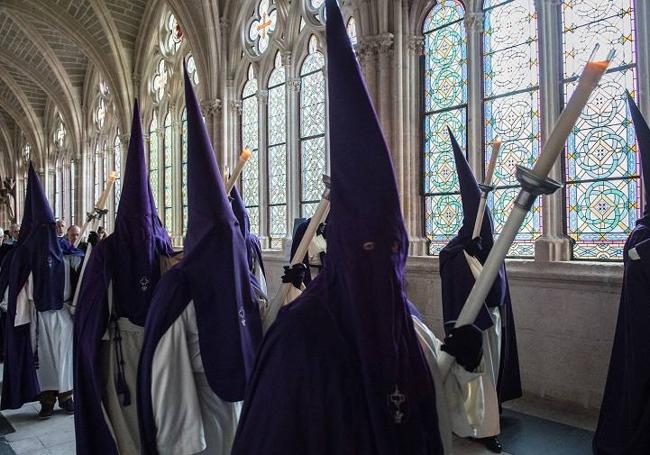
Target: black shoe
<point>47,409</point>
<point>491,443</point>
<point>67,406</point>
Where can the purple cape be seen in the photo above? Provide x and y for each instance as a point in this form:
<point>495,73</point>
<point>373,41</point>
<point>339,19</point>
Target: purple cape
<point>37,252</point>
<point>457,280</point>
<point>341,370</point>
<point>214,274</point>
<point>624,423</point>
<point>130,258</point>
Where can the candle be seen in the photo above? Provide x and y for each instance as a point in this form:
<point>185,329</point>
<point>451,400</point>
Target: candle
<point>101,202</point>
<point>496,146</point>
<point>243,158</point>
<point>555,143</point>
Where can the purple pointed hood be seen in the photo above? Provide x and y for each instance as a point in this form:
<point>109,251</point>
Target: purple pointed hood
<point>253,247</point>
<point>643,139</point>
<point>216,267</point>
<point>38,250</point>
<point>470,194</point>
<point>367,248</point>
<point>139,238</point>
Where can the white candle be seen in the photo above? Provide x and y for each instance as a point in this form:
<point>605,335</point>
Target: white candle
<point>243,158</point>
<point>496,147</point>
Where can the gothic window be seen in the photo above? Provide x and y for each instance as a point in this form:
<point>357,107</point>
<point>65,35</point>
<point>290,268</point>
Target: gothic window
<point>184,168</point>
<point>511,108</point>
<point>601,165</point>
<point>99,171</point>
<point>117,167</point>
<point>73,187</point>
<point>262,26</point>
<point>159,81</point>
<point>250,139</point>
<point>277,154</point>
<point>58,191</point>
<point>172,35</point>
<point>445,106</point>
<point>167,174</point>
<point>352,30</point>
<point>191,70</point>
<point>59,134</point>
<point>153,158</point>
<point>313,148</point>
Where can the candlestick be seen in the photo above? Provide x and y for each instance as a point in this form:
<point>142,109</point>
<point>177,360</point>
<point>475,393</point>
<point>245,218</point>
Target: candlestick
<point>243,158</point>
<point>486,187</point>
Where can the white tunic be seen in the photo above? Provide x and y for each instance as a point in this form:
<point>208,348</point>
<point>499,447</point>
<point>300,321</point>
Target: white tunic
<point>53,339</point>
<point>190,418</point>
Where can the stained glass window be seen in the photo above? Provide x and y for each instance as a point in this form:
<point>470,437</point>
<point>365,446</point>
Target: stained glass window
<point>445,103</point>
<point>277,155</point>
<point>73,187</point>
<point>173,35</point>
<point>159,81</point>
<point>250,138</point>
<point>184,168</point>
<point>511,108</point>
<point>59,134</point>
<point>100,113</point>
<point>352,31</point>
<point>191,70</point>
<point>167,174</point>
<point>602,167</point>
<point>153,159</point>
<point>313,149</point>
<point>117,167</point>
<point>99,171</point>
<point>58,190</point>
<point>262,26</point>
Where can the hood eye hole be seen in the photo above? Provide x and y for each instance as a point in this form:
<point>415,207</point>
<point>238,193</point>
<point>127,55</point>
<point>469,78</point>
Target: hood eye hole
<point>396,247</point>
<point>369,246</point>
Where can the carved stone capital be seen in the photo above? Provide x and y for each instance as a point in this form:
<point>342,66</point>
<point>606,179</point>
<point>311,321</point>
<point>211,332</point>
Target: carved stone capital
<point>294,84</point>
<point>474,21</point>
<point>124,138</point>
<point>210,108</point>
<point>236,106</point>
<point>416,45</point>
<point>263,96</point>
<point>286,58</point>
<point>385,43</point>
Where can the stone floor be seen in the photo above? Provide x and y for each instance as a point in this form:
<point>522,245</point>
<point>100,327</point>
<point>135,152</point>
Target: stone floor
<point>528,425</point>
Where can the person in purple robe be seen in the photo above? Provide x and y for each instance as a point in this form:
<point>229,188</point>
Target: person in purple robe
<point>341,370</point>
<point>204,326</point>
<point>460,262</point>
<point>112,306</point>
<point>624,422</point>
<point>38,339</point>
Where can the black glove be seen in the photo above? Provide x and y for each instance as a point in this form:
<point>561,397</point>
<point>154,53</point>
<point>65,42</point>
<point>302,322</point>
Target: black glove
<point>321,230</point>
<point>93,238</point>
<point>474,246</point>
<point>294,275</point>
<point>466,345</point>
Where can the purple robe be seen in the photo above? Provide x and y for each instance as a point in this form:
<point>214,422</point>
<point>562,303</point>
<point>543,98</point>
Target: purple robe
<point>624,423</point>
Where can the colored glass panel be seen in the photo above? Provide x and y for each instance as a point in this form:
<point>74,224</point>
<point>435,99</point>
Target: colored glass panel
<point>601,163</point>
<point>168,174</point>
<point>153,159</point>
<point>117,167</point>
<point>184,168</point>
<point>511,109</point>
<point>277,155</point>
<point>250,138</point>
<point>445,102</point>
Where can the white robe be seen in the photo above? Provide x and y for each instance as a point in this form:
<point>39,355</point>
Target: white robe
<point>190,418</point>
<point>53,339</point>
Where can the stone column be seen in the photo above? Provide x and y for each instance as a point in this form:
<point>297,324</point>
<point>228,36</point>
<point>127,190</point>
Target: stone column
<point>367,52</point>
<point>293,151</point>
<point>554,244</point>
<point>475,147</point>
<point>263,168</point>
<point>413,200</point>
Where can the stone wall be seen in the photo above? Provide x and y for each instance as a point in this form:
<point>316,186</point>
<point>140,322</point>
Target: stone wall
<point>565,315</point>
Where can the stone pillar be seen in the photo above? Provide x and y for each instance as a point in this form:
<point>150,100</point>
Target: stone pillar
<point>211,110</point>
<point>413,200</point>
<point>293,151</point>
<point>263,174</point>
<point>475,147</point>
<point>554,244</point>
<point>367,52</point>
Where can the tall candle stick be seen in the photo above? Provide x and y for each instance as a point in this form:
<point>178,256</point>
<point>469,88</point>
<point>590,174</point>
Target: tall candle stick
<point>99,207</point>
<point>243,158</point>
<point>496,147</point>
<point>536,182</point>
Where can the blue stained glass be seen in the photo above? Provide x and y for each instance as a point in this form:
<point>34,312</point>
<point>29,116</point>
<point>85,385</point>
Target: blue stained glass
<point>313,150</point>
<point>511,108</point>
<point>250,138</point>
<point>601,163</point>
<point>445,101</point>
